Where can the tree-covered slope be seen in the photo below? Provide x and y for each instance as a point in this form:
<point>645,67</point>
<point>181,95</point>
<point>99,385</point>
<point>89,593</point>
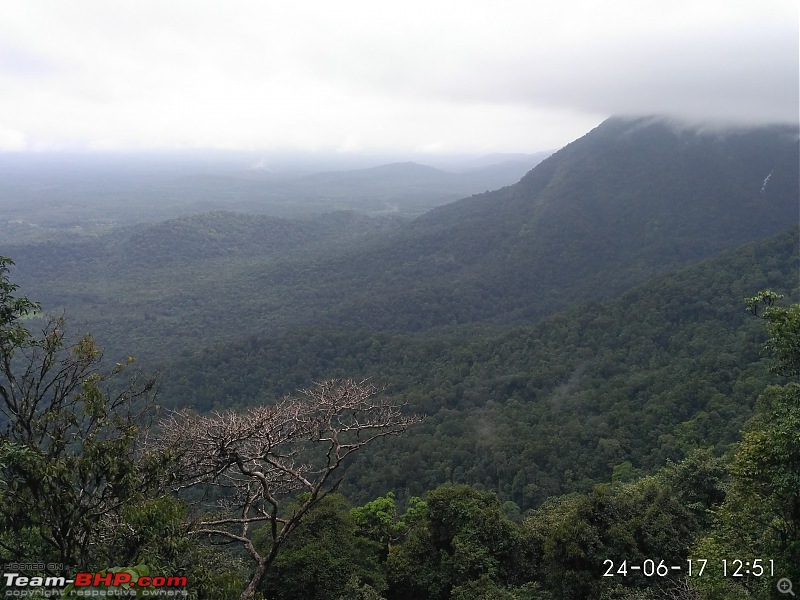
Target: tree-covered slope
<point>629,200</point>
<point>536,410</point>
<point>151,289</point>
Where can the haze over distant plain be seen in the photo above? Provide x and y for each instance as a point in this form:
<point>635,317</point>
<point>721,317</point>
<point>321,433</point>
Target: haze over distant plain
<point>358,77</point>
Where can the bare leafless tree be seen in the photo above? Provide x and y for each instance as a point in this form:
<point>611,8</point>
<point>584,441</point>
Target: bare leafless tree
<point>267,455</point>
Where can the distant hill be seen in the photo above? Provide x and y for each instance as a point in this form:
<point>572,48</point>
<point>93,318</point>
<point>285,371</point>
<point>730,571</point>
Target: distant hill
<point>492,160</point>
<point>631,199</point>
<point>399,173</point>
<point>47,195</point>
<point>407,188</point>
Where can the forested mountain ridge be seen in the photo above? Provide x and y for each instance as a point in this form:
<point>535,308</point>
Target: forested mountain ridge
<point>628,200</point>
<point>631,199</point>
<point>533,411</point>
<point>577,354</point>
<point>194,239</point>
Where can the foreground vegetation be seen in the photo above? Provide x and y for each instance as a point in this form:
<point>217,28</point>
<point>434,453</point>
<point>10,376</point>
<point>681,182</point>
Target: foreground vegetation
<point>82,489</point>
<point>601,420</point>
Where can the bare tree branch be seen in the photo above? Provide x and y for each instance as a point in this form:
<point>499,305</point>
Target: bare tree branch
<point>267,454</point>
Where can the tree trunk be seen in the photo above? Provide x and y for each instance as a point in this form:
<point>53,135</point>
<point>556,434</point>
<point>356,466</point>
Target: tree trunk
<point>255,581</point>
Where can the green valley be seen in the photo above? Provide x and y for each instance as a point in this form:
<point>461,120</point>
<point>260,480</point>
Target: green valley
<point>595,385</point>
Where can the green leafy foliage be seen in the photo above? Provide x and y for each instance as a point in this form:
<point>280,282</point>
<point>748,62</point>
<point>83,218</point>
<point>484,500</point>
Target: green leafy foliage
<point>656,518</point>
<point>69,461</point>
<point>760,518</point>
<point>325,557</point>
<point>379,521</point>
<point>783,327</point>
<point>13,309</point>
<point>463,537</point>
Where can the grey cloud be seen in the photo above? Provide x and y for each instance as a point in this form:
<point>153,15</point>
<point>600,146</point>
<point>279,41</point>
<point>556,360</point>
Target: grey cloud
<point>741,75</point>
<point>525,74</point>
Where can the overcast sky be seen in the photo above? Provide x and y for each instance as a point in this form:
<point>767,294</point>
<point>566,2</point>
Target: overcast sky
<point>382,76</point>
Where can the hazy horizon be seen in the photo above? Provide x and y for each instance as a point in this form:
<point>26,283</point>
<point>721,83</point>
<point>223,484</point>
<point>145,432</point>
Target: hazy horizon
<point>355,78</point>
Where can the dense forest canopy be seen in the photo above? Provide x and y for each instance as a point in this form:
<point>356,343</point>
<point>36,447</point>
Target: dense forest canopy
<point>630,200</point>
<point>579,374</point>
